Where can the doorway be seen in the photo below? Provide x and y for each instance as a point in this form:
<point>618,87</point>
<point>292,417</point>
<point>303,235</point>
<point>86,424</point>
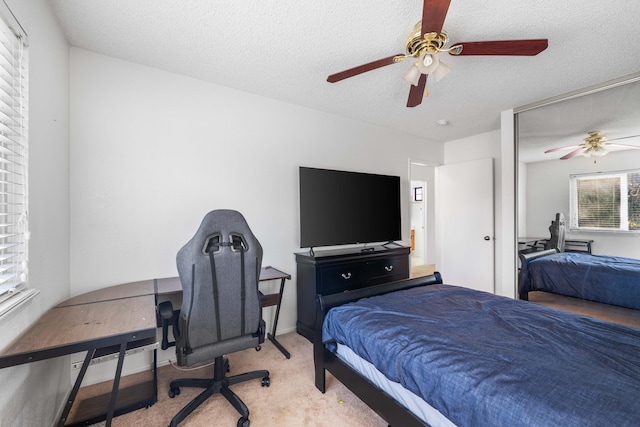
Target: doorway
<point>418,222</point>
<point>422,217</point>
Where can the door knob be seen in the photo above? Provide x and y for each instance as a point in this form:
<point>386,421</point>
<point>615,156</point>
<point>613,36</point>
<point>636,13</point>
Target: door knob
<point>487,238</point>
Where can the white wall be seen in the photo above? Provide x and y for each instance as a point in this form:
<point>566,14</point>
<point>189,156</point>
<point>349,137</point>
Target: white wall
<point>34,393</point>
<point>547,192</point>
<point>152,152</point>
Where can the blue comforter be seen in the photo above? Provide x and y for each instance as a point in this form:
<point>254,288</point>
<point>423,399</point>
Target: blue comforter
<point>605,279</point>
<point>486,360</point>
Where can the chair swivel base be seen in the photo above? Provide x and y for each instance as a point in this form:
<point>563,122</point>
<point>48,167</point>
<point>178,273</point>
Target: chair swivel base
<point>218,384</point>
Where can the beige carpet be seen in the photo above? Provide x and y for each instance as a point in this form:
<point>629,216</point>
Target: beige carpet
<point>422,270</point>
<point>292,400</point>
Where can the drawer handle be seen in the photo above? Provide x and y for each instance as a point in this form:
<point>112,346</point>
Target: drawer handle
<point>388,267</point>
<point>346,276</point>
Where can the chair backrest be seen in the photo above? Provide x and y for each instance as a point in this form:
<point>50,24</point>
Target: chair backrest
<point>557,230</point>
<point>219,270</point>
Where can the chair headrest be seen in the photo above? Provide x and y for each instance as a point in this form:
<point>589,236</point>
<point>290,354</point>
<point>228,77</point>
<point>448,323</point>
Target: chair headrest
<point>222,228</point>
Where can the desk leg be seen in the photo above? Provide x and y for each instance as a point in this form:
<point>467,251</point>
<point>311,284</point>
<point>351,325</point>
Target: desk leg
<point>116,384</point>
<point>272,335</point>
<point>76,387</point>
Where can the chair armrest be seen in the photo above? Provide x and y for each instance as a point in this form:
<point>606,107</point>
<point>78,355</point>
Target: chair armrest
<point>165,309</point>
<point>168,316</point>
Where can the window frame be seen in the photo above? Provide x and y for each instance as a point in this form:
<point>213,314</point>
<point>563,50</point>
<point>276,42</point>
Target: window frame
<point>623,201</point>
<point>14,162</point>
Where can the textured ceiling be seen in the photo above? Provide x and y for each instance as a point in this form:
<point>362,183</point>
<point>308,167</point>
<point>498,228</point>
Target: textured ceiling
<point>285,50</point>
<point>614,111</point>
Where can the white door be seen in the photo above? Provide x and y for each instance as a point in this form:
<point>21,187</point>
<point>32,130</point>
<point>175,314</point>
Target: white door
<point>465,224</point>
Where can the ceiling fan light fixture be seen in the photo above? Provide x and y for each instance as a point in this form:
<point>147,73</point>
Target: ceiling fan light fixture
<point>596,152</point>
<point>428,63</point>
<point>412,75</point>
<point>441,72</point>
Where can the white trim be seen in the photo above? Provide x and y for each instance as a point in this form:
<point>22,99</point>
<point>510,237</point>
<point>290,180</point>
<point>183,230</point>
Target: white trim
<point>18,298</point>
<point>12,22</point>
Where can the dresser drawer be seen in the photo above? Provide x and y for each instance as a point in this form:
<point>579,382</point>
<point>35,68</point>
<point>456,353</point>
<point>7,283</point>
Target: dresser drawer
<point>341,278</point>
<point>388,269</point>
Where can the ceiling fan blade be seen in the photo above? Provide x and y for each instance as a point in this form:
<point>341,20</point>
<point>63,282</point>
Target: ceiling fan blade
<point>623,137</point>
<point>502,47</point>
<point>362,69</point>
<point>416,93</point>
<point>551,150</point>
<point>433,14</point>
<point>637,147</point>
<point>573,153</point>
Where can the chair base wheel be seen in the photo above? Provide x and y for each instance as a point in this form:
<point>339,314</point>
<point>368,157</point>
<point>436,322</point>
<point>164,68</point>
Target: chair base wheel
<point>174,391</point>
<point>266,382</point>
<point>243,422</point>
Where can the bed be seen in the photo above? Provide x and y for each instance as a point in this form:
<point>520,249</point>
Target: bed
<point>470,358</point>
<point>600,278</point>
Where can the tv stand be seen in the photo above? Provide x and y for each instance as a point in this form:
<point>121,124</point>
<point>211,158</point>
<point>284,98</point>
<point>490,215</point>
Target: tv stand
<point>338,270</point>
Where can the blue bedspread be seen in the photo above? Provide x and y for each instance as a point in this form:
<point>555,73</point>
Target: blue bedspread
<point>605,279</point>
<point>486,360</point>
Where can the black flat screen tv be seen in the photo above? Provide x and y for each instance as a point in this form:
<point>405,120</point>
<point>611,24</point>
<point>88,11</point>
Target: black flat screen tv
<point>342,207</point>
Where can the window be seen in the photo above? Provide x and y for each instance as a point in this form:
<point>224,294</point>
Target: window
<point>608,201</point>
<point>13,163</point>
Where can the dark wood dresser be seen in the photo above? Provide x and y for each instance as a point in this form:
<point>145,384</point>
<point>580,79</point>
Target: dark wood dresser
<point>338,270</point>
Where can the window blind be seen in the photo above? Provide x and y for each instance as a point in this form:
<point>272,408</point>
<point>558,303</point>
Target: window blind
<point>599,203</point>
<point>606,201</point>
<point>633,180</point>
<point>14,223</point>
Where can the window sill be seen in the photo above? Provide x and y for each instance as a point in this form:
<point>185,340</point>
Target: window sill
<point>17,300</point>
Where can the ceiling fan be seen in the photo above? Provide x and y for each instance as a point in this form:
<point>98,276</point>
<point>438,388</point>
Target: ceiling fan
<point>428,40</point>
<point>595,144</point>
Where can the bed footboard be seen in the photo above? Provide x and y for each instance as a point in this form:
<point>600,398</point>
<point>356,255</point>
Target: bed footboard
<point>523,294</point>
<point>325,360</point>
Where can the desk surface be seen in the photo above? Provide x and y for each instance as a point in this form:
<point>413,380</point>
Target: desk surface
<point>76,328</point>
<point>526,240</point>
<point>126,290</point>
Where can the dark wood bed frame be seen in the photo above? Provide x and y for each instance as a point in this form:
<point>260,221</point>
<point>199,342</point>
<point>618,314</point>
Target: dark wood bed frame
<point>383,404</point>
<point>526,258</point>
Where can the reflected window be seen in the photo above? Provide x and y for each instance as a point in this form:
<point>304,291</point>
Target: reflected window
<point>609,202</point>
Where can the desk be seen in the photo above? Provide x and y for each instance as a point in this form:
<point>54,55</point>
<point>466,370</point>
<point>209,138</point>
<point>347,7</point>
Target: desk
<point>97,323</point>
<point>532,242</point>
<point>578,245</point>
<point>570,245</point>
<point>106,321</point>
<point>266,274</point>
<point>172,285</point>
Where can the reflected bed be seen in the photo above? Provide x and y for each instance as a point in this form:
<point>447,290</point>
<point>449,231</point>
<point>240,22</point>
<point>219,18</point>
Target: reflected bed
<point>604,279</point>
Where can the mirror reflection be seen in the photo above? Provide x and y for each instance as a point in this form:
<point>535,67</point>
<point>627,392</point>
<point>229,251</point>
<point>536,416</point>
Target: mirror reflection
<point>545,179</point>
<point>579,194</point>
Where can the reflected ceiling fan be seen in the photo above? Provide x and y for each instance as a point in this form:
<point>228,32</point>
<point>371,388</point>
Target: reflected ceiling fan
<point>428,40</point>
<point>595,144</point>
